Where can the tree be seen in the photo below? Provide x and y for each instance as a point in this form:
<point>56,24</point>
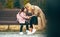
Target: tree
<point>9,3</point>
<point>17,4</point>
<point>26,1</point>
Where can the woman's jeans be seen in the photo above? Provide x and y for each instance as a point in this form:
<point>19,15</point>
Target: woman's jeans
<point>34,21</point>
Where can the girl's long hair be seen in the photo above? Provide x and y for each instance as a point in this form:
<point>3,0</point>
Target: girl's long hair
<point>22,10</point>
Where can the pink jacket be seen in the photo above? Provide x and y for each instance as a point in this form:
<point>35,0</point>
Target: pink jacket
<point>21,17</point>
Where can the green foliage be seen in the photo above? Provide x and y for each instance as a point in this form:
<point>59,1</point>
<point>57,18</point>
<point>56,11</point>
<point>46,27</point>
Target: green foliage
<point>17,4</point>
<point>9,4</point>
<point>26,1</point>
<point>20,3</point>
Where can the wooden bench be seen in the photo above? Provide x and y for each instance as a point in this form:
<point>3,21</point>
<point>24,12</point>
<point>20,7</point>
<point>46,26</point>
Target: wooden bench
<point>8,16</point>
<point>8,19</point>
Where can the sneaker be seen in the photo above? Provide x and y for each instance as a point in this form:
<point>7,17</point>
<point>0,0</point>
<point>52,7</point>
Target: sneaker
<point>29,32</point>
<point>21,33</point>
<point>34,30</point>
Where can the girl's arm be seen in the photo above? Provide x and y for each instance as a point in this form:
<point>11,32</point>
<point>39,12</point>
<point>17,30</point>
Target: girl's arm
<point>23,15</point>
<point>17,17</point>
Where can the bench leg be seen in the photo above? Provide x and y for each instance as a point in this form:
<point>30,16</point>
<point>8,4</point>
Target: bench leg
<point>8,27</point>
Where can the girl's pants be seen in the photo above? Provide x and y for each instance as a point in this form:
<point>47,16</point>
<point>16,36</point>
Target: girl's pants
<point>26,23</point>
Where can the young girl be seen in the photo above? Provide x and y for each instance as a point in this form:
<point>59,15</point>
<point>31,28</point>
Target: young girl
<point>21,17</point>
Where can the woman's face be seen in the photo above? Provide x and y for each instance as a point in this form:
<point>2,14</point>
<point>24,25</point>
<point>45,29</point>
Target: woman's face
<point>28,8</point>
<point>25,10</point>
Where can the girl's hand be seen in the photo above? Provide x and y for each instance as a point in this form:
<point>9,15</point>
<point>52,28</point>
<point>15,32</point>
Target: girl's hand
<point>28,17</point>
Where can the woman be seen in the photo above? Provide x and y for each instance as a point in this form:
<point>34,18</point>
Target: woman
<point>33,20</point>
<point>40,15</point>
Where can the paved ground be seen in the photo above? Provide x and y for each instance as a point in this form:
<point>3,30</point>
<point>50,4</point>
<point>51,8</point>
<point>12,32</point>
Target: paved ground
<point>16,34</point>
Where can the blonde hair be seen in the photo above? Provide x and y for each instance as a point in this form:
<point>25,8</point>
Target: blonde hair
<point>29,6</point>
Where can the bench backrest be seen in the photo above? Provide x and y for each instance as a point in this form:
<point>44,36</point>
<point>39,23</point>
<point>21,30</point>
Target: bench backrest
<point>8,16</point>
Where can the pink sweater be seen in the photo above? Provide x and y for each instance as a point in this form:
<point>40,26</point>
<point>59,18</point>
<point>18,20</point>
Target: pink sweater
<point>21,17</point>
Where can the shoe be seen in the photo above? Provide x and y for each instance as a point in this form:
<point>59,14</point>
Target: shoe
<point>34,30</point>
<point>29,32</point>
<point>21,33</point>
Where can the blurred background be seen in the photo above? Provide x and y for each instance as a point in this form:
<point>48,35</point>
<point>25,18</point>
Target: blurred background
<point>8,11</point>
<point>11,4</point>
<point>51,13</point>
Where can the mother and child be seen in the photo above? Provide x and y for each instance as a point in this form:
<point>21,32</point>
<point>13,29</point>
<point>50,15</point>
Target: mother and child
<point>31,15</point>
<point>25,18</point>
